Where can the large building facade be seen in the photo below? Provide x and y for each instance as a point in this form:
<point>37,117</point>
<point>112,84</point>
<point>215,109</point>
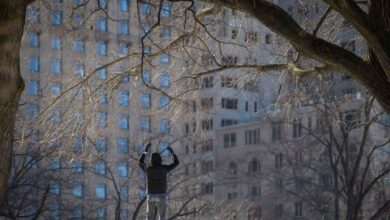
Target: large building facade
<point>98,87</point>
<point>103,77</point>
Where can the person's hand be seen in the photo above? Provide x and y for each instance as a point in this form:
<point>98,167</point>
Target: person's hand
<point>148,147</point>
<point>169,148</point>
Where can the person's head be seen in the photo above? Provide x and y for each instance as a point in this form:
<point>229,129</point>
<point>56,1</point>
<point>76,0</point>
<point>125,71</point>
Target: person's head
<point>156,159</point>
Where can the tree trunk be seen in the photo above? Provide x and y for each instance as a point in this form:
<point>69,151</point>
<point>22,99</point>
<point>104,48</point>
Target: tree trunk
<point>12,17</point>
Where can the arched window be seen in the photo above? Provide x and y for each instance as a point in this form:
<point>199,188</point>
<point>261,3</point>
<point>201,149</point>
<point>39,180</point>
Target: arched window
<point>233,168</point>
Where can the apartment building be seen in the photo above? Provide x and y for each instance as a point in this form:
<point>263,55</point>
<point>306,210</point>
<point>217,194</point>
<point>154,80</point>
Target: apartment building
<point>87,108</point>
<point>278,167</point>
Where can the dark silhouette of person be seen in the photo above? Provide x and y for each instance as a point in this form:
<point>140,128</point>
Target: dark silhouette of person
<point>156,177</point>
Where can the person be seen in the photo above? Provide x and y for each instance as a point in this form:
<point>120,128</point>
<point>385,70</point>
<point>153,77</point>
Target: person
<point>156,177</point>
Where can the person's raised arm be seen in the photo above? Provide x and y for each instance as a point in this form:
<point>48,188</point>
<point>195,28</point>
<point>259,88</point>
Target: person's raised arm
<point>175,163</point>
<point>141,162</point>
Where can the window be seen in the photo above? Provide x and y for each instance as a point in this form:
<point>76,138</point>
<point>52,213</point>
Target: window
<point>278,161</point>
<point>298,209</point>
<point>123,5</point>
<point>33,64</point>
<point>101,144</point>
<point>228,82</point>
<point>254,106</point>
<point>55,88</point>
<point>32,13</point>
<point>207,124</point>
<point>31,162</point>
<point>146,100</point>
<point>102,4</point>
<point>146,49</point>
<point>251,86</point>
<point>229,140</point>
<point>56,117</point>
<point>55,164</point>
<point>124,193</point>
<point>78,45</point>
<point>206,166</point>
<point>78,69</point>
<point>252,136</point>
<point>123,215</point>
<point>145,30</point>
<point>164,58</point>
<point>78,2</point>
<point>102,119</point>
<point>246,106</point>
<point>77,167</point>
<point>268,38</point>
<point>207,188</point>
<point>228,122</point>
<point>78,190</point>
<point>100,213</point>
<point>234,34</point>
<point>229,60</point>
<point>123,145</point>
<point>164,126</point>
<point>123,49</point>
<point>56,18</point>
<point>55,187</point>
<point>100,167</point>
<point>166,9</point>
<point>123,98</point>
<point>79,94</point>
<point>122,169</point>
<point>56,43</point>
<point>145,77</point>
<point>255,191</point>
<point>350,118</point>
<point>145,8</point>
<point>100,191</point>
<point>123,27</point>
<point>163,149</point>
<point>207,145</point>
<point>32,111</point>
<point>206,103</point>
<point>251,37</point>
<point>297,128</point>
<point>101,94</point>
<point>78,143</point>
<point>228,103</point>
<point>276,131</point>
<point>207,82</point>
<point>101,24</point>
<point>124,122</point>
<point>101,73</point>
<point>56,67</point>
<point>164,102</point>
<point>166,33</point>
<point>54,211</point>
<point>33,39</point>
<point>233,168</point>
<point>145,123</point>
<point>101,48</point>
<point>164,80</point>
<point>279,211</point>
<point>77,212</point>
<point>77,20</point>
<point>254,166</point>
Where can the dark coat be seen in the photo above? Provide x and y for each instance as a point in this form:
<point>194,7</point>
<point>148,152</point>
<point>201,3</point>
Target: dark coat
<point>157,174</point>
